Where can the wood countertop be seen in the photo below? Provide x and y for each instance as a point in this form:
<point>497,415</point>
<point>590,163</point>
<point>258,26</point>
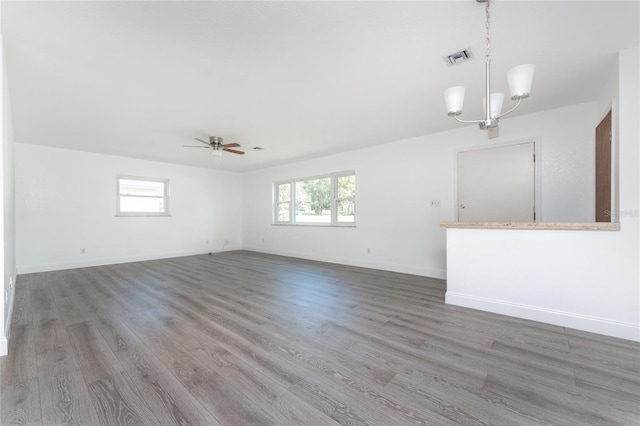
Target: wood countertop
<point>562,226</point>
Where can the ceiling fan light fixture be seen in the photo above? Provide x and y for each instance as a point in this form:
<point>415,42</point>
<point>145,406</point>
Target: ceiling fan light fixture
<point>216,146</point>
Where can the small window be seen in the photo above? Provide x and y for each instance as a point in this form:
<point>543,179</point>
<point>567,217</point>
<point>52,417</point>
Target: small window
<point>322,200</point>
<point>139,196</point>
<point>283,204</point>
<point>346,199</point>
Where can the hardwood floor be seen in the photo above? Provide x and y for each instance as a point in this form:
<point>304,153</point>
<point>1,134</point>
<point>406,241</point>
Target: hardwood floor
<point>242,338</point>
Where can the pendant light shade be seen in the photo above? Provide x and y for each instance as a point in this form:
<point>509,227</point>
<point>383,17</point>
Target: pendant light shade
<point>454,98</point>
<point>496,104</point>
<point>520,79</point>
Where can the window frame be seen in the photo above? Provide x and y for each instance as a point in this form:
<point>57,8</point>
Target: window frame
<point>292,201</point>
<point>165,197</point>
<point>335,199</point>
<point>277,202</point>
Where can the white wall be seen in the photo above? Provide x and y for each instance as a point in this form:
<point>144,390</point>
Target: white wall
<point>396,181</point>
<point>7,215</point>
<point>66,201</point>
<point>588,280</point>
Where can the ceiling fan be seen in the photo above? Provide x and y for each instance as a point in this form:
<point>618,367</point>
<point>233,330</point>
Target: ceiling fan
<point>216,146</point>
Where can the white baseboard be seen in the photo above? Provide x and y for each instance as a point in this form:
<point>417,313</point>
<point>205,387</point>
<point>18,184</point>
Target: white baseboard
<point>405,269</point>
<point>4,341</point>
<point>29,269</point>
<point>573,320</point>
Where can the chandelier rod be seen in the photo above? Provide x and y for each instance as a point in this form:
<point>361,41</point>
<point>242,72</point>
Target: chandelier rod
<point>487,64</point>
<point>487,60</point>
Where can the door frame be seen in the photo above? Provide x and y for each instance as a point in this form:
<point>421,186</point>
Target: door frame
<point>537,191</point>
<point>611,106</point>
<point>604,170</point>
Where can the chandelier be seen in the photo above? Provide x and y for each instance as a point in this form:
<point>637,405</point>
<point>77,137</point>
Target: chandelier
<point>519,78</point>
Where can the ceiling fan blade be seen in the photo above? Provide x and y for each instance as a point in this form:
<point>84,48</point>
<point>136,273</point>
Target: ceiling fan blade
<point>200,140</point>
<point>231,145</point>
<point>233,151</point>
<point>196,146</point>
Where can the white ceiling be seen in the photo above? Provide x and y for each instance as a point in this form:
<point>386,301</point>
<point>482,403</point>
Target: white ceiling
<point>301,79</point>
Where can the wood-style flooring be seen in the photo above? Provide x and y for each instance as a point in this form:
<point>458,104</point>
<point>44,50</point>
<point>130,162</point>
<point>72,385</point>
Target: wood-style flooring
<point>242,338</point>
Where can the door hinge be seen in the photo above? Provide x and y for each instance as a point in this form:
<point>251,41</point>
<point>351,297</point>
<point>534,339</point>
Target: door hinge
<point>534,158</point>
<point>534,216</point>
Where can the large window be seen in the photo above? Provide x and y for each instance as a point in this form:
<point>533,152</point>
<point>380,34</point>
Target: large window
<point>138,196</point>
<point>322,200</point>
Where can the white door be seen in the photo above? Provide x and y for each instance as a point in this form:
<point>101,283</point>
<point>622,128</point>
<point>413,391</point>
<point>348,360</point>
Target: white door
<point>497,184</point>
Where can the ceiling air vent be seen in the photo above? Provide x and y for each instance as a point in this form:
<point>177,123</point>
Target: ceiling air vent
<point>459,57</point>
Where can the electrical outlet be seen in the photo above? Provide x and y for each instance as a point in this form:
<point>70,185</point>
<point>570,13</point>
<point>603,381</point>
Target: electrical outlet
<point>226,242</point>
<point>206,242</point>
<point>368,250</point>
<point>83,251</point>
<point>435,203</point>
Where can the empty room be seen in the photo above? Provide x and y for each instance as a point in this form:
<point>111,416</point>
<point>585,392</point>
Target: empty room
<point>320,212</point>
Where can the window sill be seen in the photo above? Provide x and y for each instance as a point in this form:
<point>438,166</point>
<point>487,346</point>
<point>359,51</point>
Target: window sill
<point>142,215</point>
<point>318,225</point>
